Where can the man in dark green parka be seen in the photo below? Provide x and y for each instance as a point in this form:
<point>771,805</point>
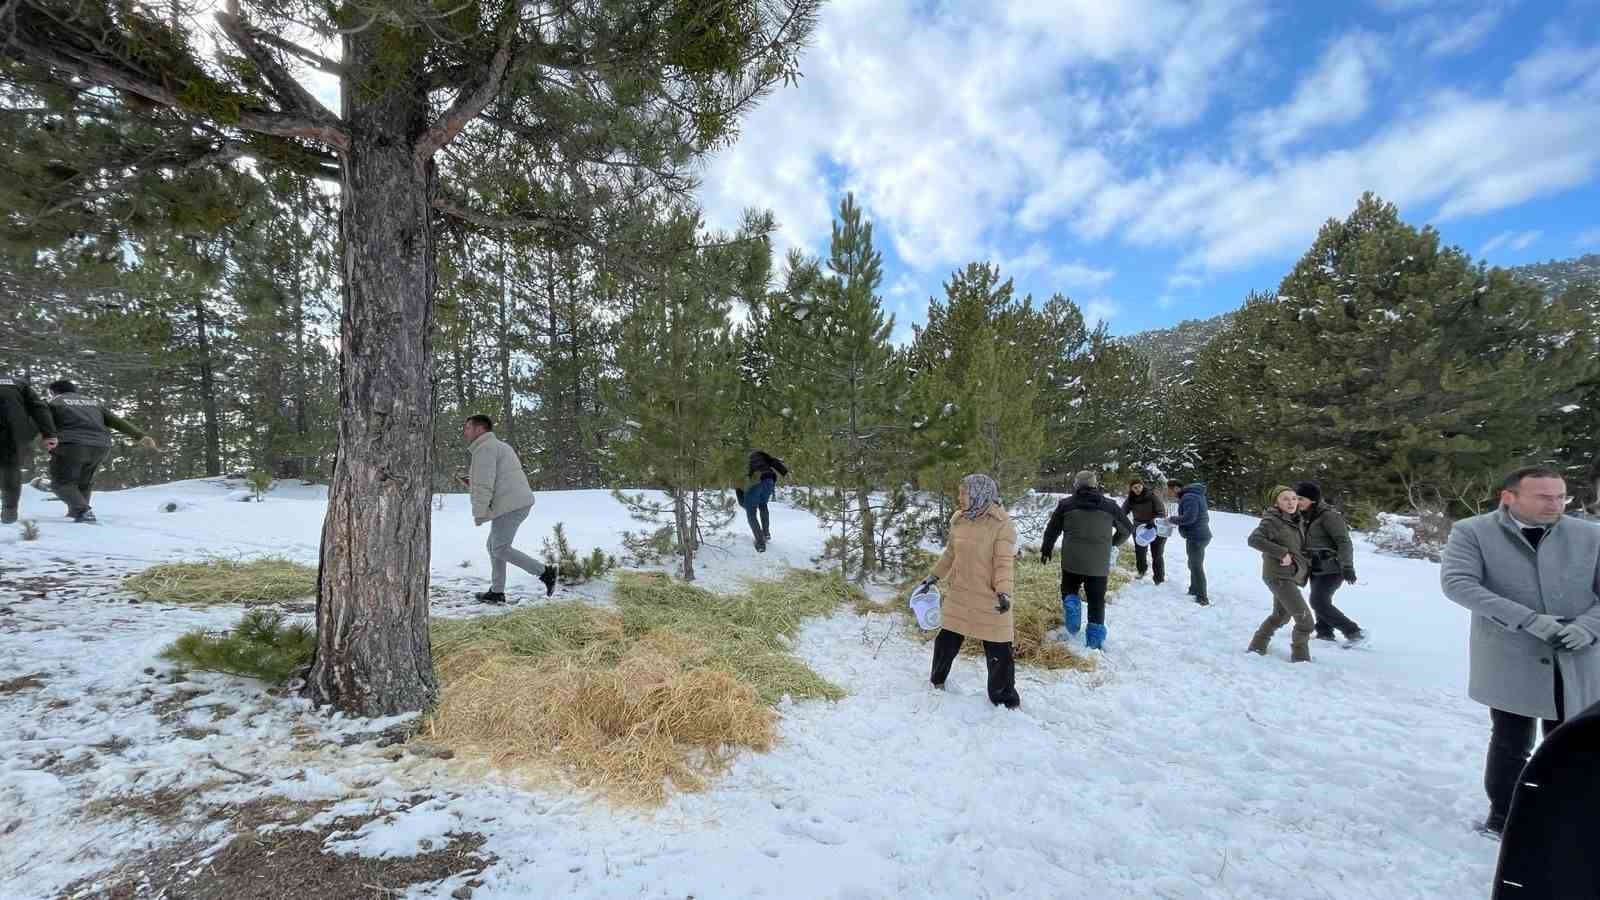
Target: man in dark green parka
<point>23,417</point>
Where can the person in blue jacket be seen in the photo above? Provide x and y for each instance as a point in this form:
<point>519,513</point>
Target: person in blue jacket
<point>1194,525</point>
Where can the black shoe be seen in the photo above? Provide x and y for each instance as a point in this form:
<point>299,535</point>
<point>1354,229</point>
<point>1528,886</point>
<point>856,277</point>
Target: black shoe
<point>1201,601</point>
<point>85,517</point>
<point>548,576</point>
<point>761,546</point>
<point>8,516</point>
<point>494,598</point>
<point>1325,637</point>
<point>1159,581</point>
<point>766,537</point>
<point>1492,827</point>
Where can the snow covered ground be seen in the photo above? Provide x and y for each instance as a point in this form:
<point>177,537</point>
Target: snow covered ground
<point>1182,768</point>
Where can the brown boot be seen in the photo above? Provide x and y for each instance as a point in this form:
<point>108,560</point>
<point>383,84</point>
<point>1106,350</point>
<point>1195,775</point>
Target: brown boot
<point>1258,644</point>
<point>1299,653</point>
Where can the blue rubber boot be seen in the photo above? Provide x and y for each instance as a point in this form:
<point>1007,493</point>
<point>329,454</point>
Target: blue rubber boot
<point>1095,637</point>
<point>1072,613</point>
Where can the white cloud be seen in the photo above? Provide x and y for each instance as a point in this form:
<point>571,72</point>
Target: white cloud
<point>1515,241</point>
<point>1558,68</point>
<point>1589,239</point>
<point>1100,309</point>
<point>1006,130</point>
<point>1229,216</point>
<point>1455,31</point>
<point>1080,274</point>
<point>1337,91</point>
<point>951,127</point>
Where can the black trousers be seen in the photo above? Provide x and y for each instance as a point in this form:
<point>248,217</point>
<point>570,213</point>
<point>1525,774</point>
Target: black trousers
<point>72,470</point>
<point>1196,551</point>
<point>1329,617</point>
<point>1510,744</point>
<point>10,484</point>
<point>1092,588</point>
<point>1155,555</point>
<point>997,654</point>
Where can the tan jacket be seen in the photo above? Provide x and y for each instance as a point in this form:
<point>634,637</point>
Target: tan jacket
<point>496,478</point>
<point>979,562</point>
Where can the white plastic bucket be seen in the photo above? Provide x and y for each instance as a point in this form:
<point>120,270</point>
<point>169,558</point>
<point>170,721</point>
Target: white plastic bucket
<point>925,606</point>
<point>1144,535</point>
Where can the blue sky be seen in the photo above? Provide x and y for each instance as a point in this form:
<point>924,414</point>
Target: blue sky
<point>1156,160</point>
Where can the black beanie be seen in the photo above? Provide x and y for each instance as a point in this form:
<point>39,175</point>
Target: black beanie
<point>1309,490</point>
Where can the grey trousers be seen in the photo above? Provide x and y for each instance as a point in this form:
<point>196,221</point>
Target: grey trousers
<point>502,532</point>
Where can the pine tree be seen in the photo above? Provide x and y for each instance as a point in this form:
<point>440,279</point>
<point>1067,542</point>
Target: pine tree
<point>1393,368</point>
<point>979,362</point>
<point>845,388</point>
<point>677,386</point>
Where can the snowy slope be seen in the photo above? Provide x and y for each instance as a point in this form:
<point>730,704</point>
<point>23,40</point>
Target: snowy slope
<point>1184,767</point>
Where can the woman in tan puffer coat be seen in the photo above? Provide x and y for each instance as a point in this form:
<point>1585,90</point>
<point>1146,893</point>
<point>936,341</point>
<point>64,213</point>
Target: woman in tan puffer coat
<point>1281,538</point>
<point>980,562</point>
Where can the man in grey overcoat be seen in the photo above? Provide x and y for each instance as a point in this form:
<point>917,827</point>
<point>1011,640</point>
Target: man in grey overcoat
<point>1531,577</point>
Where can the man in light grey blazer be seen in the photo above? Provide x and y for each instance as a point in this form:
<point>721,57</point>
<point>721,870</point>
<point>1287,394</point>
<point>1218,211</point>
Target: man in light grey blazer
<point>1531,577</point>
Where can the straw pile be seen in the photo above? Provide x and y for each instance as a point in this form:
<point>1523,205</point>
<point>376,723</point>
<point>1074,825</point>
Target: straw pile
<point>660,693</point>
<point>267,580</point>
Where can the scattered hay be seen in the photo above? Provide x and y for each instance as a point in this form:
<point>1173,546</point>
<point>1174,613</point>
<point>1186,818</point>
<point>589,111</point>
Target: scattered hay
<point>267,580</point>
<point>260,646</point>
<point>659,693</point>
<point>22,683</point>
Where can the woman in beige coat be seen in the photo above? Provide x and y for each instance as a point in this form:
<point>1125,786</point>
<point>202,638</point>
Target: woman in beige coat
<point>979,560</point>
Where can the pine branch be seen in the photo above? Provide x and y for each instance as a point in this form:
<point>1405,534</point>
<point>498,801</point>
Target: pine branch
<point>306,54</point>
<point>30,45</point>
<point>474,99</point>
<point>291,93</point>
<point>456,209</point>
<point>214,157</point>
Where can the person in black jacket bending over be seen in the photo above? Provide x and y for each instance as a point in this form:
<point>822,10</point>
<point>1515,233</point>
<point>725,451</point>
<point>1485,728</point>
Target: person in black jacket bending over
<point>84,431</point>
<point>1089,525</point>
<point>765,468</point>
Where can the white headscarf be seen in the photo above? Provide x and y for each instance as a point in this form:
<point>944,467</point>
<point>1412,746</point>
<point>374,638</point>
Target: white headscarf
<point>981,491</point>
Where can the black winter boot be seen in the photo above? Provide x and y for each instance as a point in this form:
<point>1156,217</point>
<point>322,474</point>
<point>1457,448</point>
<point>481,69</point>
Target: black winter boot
<point>548,576</point>
<point>7,516</point>
<point>494,598</point>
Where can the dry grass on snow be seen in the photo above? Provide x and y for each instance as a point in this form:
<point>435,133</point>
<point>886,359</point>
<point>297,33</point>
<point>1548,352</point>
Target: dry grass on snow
<point>267,580</point>
<point>656,694</point>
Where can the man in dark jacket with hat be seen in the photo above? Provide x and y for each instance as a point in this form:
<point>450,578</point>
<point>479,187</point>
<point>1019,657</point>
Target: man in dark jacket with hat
<point>85,442</point>
<point>1089,525</point>
<point>23,417</point>
<point>1333,562</point>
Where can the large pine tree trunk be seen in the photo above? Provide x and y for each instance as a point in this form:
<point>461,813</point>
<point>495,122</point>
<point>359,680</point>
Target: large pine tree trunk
<point>373,653</point>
